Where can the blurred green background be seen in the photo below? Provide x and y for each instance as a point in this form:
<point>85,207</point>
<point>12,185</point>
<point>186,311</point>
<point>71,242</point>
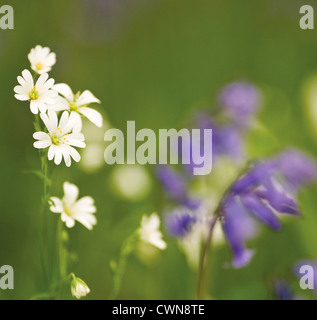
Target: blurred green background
<point>154,61</point>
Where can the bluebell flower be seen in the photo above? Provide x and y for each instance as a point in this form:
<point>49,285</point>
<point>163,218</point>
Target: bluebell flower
<point>180,222</point>
<point>283,291</point>
<point>259,195</point>
<point>241,100</point>
<point>175,187</point>
<point>227,141</point>
<point>238,227</point>
<point>298,169</point>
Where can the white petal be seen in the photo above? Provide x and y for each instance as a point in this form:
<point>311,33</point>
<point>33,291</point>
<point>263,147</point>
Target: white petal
<point>60,104</point>
<point>50,121</point>
<point>86,98</point>
<point>28,78</point>
<point>71,193</point>
<point>69,221</point>
<point>41,136</point>
<point>21,81</point>
<point>153,222</point>
<point>57,206</point>
<point>41,80</point>
<point>73,153</point>
<point>22,97</point>
<point>64,90</point>
<point>86,219</point>
<point>67,122</point>
<point>94,116</point>
<point>159,243</point>
<point>63,122</point>
<point>51,152</point>
<point>76,140</point>
<point>42,144</point>
<point>34,107</point>
<point>58,156</point>
<point>66,157</point>
<point>77,126</point>
<point>86,204</point>
<point>21,90</point>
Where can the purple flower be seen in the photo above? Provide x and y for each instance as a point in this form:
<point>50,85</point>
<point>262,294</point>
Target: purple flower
<point>283,291</point>
<point>226,141</point>
<point>241,100</point>
<point>297,168</point>
<point>259,194</point>
<point>179,223</point>
<point>175,186</point>
<point>238,227</point>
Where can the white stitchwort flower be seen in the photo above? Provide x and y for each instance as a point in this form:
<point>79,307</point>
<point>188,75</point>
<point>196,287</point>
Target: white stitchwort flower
<point>77,103</point>
<point>40,95</point>
<point>149,231</point>
<point>79,288</point>
<point>41,59</point>
<point>61,138</point>
<point>72,210</point>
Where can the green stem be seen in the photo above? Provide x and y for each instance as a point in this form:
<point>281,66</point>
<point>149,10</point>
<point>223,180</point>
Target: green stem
<point>206,247</point>
<point>54,288</point>
<point>126,249</point>
<point>203,258</point>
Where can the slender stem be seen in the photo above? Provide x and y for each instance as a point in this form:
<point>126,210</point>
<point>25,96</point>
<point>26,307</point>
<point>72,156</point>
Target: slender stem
<point>203,258</point>
<point>216,216</point>
<point>126,249</point>
<point>61,249</point>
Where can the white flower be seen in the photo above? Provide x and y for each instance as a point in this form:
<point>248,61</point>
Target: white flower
<point>77,103</point>
<point>40,95</point>
<point>72,210</point>
<point>79,288</point>
<point>41,59</point>
<point>62,136</point>
<point>149,231</point>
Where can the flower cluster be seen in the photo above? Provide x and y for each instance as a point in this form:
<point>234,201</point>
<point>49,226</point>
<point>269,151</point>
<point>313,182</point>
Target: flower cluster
<point>61,135</point>
<point>61,112</point>
<point>236,108</point>
<point>235,112</point>
<point>269,188</point>
<point>263,192</point>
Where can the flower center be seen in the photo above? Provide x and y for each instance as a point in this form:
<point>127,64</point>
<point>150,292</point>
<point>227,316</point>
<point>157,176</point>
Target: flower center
<point>73,107</point>
<point>55,140</point>
<point>34,94</point>
<point>58,137</point>
<point>67,211</point>
<point>39,66</point>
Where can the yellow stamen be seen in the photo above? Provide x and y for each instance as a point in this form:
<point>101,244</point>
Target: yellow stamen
<point>39,66</point>
<point>34,94</point>
<point>55,141</point>
<point>73,107</point>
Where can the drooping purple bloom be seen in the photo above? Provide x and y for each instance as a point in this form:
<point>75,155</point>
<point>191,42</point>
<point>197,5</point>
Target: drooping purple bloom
<point>254,204</point>
<point>238,227</point>
<point>254,177</point>
<point>175,186</point>
<point>241,100</point>
<point>226,141</point>
<point>283,291</point>
<point>260,193</point>
<point>180,222</point>
<point>297,168</point>
<point>277,197</point>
